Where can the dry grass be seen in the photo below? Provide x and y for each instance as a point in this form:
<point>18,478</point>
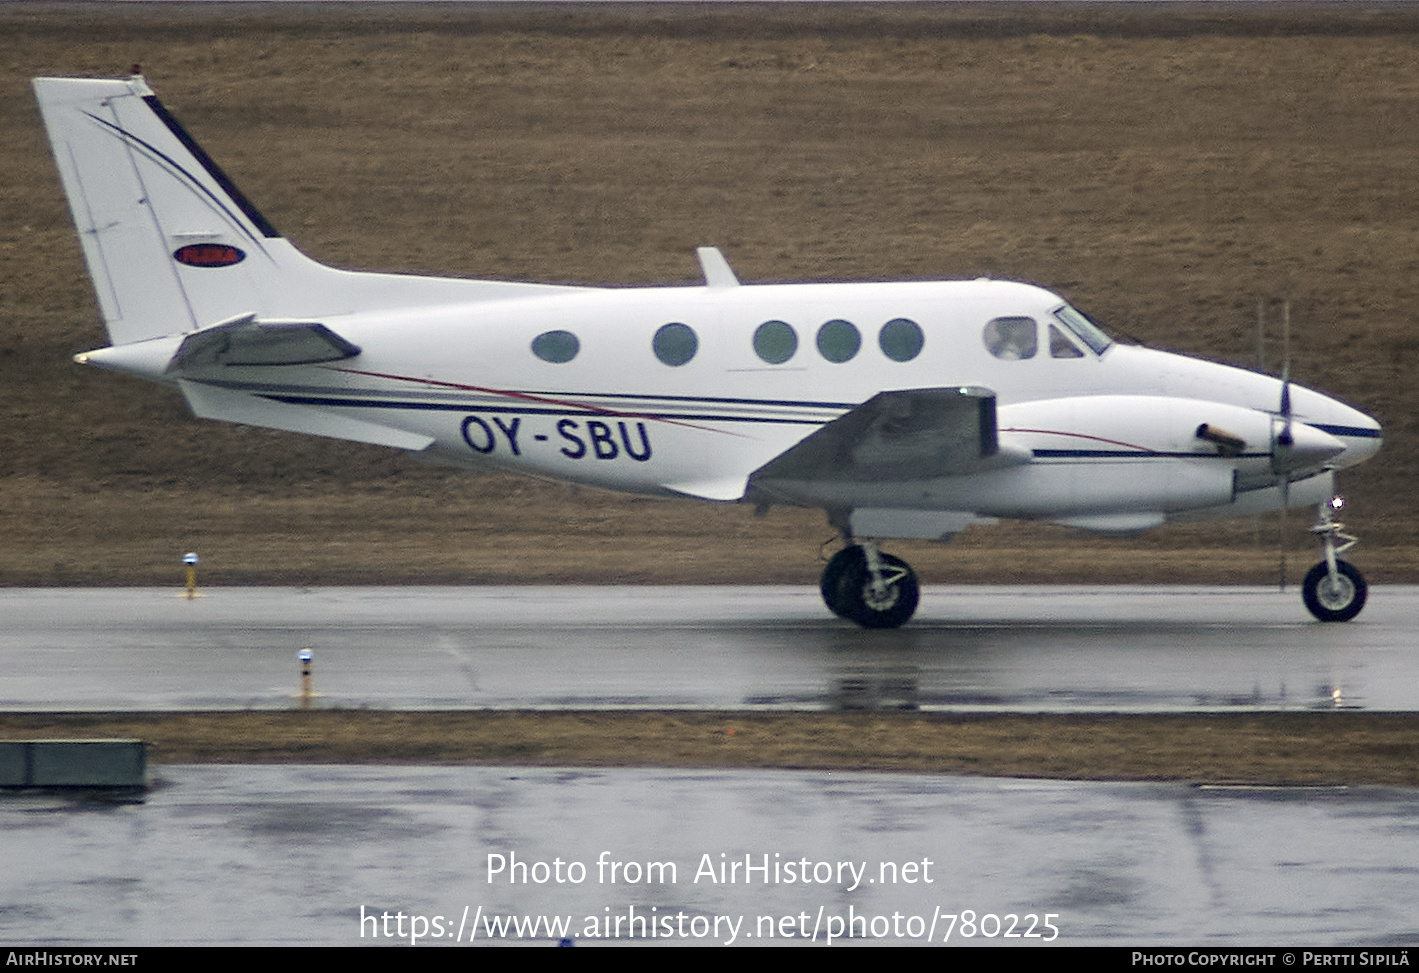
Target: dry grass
<point>1164,167</point>
<point>1292,748</point>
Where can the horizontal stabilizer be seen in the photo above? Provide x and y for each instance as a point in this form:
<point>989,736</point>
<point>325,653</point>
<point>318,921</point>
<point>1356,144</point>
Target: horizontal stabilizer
<point>247,341</point>
<point>212,402</point>
<point>913,434</point>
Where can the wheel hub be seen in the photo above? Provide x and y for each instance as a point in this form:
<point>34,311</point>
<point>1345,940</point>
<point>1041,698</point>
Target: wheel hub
<point>880,602</point>
<point>1335,593</point>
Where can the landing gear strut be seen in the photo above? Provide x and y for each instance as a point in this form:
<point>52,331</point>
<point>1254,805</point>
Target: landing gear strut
<point>1334,590</point>
<point>873,589</point>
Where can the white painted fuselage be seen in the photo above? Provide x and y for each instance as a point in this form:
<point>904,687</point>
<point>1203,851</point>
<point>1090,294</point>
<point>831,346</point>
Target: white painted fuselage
<point>1108,433</point>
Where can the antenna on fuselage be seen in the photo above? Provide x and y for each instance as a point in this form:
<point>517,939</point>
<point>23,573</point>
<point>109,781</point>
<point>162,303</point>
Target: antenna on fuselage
<point>716,269</point>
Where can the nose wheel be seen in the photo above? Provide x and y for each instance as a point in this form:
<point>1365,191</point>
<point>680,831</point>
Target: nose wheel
<point>1337,599</point>
<point>873,589</point>
<point>1334,590</point>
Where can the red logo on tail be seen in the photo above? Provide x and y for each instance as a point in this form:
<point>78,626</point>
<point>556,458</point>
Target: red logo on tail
<point>208,255</point>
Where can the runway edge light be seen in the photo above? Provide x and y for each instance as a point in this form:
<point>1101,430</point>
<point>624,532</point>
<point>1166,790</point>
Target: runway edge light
<point>190,560</point>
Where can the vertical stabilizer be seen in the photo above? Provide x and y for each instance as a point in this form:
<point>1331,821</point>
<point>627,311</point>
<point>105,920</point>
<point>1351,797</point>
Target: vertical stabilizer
<point>173,246</point>
<point>170,243</point>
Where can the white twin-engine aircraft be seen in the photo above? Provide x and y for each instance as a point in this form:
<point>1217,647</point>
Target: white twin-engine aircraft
<point>901,409</point>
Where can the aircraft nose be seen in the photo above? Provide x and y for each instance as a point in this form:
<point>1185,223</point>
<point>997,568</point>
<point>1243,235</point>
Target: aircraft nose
<point>1359,434</point>
<point>1362,443</point>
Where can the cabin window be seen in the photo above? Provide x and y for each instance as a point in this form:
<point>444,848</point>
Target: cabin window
<point>556,347</point>
<point>838,340</point>
<point>901,339</point>
<point>675,344</point>
<point>1060,346</point>
<point>775,342</point>
<point>1011,339</point>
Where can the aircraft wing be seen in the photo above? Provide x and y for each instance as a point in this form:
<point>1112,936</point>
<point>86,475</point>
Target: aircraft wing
<point>911,434</point>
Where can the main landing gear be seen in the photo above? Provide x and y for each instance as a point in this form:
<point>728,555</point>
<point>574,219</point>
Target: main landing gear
<point>1334,590</point>
<point>866,586</point>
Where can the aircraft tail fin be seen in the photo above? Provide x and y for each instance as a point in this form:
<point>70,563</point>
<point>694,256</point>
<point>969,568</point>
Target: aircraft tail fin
<point>170,242</point>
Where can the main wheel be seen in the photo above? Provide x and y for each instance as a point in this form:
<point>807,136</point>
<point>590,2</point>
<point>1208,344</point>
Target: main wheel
<point>832,580</point>
<point>890,609</point>
<point>1339,601</point>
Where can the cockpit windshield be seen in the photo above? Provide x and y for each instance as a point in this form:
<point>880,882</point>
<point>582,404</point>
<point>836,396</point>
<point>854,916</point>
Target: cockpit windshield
<point>1084,329</point>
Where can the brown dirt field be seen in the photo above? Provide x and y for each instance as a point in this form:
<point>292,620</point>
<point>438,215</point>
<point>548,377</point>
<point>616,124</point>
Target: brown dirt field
<point>1336,748</point>
<point>1164,167</point>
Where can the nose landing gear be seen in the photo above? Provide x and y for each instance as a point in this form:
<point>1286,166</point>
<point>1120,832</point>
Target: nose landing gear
<point>1334,590</point>
<point>873,589</point>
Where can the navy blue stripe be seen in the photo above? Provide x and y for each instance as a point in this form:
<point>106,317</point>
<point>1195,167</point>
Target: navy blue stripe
<point>1134,454</point>
<point>704,398</point>
<point>272,390</point>
<point>527,411</point>
<point>1358,432</point>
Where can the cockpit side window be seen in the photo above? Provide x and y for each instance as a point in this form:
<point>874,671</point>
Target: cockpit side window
<point>1060,346</point>
<point>1084,329</point>
<point>1011,339</point>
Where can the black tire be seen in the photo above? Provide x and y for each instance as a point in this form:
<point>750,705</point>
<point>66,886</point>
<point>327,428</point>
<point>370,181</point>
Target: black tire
<point>1339,603</point>
<point>831,583</point>
<point>854,593</point>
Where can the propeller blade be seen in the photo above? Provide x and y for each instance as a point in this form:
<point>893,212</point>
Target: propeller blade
<point>1281,531</point>
<point>1282,458</point>
<point>1284,438</point>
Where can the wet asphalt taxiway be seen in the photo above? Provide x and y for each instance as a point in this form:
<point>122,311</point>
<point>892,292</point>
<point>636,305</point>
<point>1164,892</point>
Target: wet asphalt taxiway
<point>430,855</point>
<point>1066,648</point>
